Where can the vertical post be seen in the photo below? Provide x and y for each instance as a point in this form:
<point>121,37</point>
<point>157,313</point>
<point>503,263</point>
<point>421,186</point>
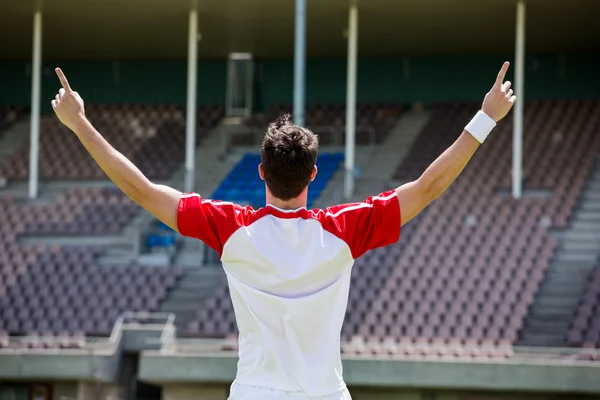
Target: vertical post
<point>190,124</point>
<point>351,100</point>
<point>300,62</point>
<point>36,79</point>
<point>517,170</point>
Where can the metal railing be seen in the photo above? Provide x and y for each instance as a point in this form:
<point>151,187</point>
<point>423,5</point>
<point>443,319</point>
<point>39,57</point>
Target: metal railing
<point>93,344</point>
<point>337,133</point>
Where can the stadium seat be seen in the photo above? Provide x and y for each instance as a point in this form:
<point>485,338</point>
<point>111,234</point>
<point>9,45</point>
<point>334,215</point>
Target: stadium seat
<point>585,328</point>
<point>243,184</point>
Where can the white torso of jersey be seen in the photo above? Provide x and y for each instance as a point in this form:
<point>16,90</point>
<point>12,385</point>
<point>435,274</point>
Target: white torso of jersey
<point>289,278</point>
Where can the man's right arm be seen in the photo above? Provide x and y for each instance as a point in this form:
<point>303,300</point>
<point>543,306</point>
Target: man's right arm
<point>161,201</point>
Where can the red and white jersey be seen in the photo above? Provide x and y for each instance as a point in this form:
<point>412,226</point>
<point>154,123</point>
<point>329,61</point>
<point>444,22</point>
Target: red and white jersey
<point>289,276</point>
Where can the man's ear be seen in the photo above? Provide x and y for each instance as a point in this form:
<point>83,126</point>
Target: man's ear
<point>314,173</point>
<point>261,171</point>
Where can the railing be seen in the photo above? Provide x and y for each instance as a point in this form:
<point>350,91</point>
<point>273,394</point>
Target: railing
<point>337,133</point>
<point>92,344</point>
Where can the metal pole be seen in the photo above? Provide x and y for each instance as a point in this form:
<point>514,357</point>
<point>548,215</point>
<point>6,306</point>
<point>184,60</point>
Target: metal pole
<point>518,112</point>
<point>300,62</point>
<point>351,100</point>
<point>190,131</point>
<point>36,79</point>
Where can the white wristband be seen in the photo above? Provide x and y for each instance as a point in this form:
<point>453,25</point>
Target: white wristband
<point>480,126</point>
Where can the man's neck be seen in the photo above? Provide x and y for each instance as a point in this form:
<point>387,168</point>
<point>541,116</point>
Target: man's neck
<point>292,204</point>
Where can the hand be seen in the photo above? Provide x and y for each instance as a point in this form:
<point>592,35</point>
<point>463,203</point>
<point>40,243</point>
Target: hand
<point>67,104</point>
<point>499,100</point>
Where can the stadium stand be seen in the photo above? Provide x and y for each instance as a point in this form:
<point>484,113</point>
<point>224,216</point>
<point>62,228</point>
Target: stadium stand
<point>64,292</point>
<point>9,115</point>
<point>373,122</point>
<point>56,296</point>
<point>465,273</point>
<point>81,211</point>
<point>152,136</point>
<point>585,329</point>
<point>50,290</point>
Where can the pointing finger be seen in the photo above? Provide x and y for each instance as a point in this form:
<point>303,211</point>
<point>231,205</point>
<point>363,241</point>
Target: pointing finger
<point>63,79</point>
<point>502,73</point>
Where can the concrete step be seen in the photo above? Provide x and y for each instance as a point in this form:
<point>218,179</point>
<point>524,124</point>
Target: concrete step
<point>542,339</point>
<point>591,206</point>
<point>187,305</point>
<point>570,266</point>
<point>593,185</point>
<point>590,216</point>
<point>556,302</point>
<point>579,245</point>
<point>576,257</point>
<point>555,313</point>
<point>583,225</point>
<point>550,326</point>
<point>590,196</point>
<point>567,282</point>
<point>567,289</point>
<point>184,296</point>
<point>574,234</point>
<point>195,285</point>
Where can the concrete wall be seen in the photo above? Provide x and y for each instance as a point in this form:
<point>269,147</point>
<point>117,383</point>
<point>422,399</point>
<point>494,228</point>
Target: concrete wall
<point>384,394</point>
<point>64,390</point>
<point>195,392</point>
<point>220,392</point>
<point>93,391</point>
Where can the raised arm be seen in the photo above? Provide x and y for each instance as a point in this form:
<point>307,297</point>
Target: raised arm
<point>161,201</point>
<point>415,196</point>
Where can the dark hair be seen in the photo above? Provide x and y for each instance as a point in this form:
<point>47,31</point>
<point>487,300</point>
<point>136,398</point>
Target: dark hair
<point>288,154</point>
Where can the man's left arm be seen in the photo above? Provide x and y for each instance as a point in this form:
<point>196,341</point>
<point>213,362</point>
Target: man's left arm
<point>415,196</point>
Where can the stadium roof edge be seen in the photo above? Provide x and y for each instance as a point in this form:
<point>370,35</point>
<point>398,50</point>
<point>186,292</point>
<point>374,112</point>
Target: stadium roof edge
<point>158,29</point>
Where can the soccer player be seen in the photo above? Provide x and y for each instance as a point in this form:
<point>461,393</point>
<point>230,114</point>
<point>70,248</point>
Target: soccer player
<point>288,268</point>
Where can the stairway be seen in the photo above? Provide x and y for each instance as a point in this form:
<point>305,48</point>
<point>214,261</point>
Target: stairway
<point>211,166</point>
<point>564,285</point>
<point>377,164</point>
<point>191,292</point>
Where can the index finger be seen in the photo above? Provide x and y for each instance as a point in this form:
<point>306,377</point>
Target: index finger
<point>502,73</point>
<point>63,79</point>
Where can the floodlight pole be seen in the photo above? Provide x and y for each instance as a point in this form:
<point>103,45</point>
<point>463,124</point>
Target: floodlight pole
<point>190,123</point>
<point>300,63</point>
<point>36,79</point>
<point>517,169</point>
<point>351,100</point>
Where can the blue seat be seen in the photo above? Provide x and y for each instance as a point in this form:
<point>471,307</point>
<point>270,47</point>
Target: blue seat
<point>166,240</point>
<point>152,240</point>
<point>243,184</point>
<point>164,227</point>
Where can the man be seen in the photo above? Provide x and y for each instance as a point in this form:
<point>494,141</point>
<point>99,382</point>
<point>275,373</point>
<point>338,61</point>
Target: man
<point>288,268</point>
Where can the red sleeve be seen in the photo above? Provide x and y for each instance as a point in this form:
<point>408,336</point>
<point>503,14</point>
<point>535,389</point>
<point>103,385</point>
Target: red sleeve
<point>365,226</point>
<point>211,221</point>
